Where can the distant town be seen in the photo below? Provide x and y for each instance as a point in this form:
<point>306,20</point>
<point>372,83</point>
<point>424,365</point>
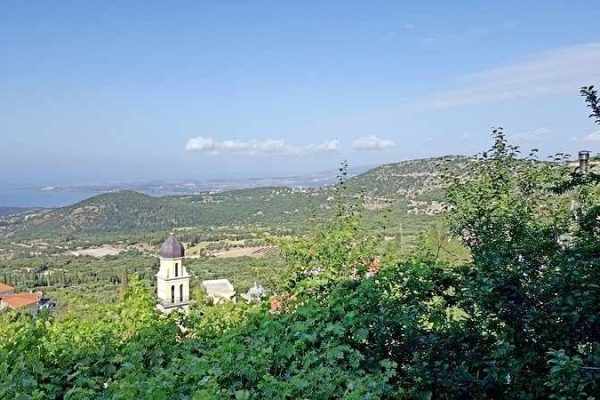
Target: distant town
<point>182,187</point>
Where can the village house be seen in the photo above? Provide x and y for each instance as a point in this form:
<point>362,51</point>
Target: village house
<point>219,290</point>
<point>173,282</point>
<point>254,294</point>
<point>27,302</point>
<point>6,290</point>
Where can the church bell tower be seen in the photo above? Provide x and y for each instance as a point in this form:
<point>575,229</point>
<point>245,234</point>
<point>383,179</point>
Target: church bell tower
<point>172,279</point>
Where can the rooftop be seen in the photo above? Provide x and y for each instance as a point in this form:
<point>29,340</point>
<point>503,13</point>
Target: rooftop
<point>20,300</point>
<point>171,248</point>
<point>218,287</point>
<point>6,288</point>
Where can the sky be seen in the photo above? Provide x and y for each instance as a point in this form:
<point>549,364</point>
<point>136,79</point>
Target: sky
<point>101,92</point>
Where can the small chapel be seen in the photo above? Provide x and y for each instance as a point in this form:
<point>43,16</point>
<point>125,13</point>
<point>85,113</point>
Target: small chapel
<point>172,279</point>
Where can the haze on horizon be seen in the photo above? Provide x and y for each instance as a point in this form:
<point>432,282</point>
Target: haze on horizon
<point>93,92</point>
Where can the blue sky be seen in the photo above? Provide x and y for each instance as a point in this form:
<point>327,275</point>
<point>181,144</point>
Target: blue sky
<point>92,93</point>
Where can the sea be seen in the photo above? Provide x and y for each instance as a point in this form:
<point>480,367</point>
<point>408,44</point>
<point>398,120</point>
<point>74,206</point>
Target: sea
<point>32,197</point>
<point>15,195</point>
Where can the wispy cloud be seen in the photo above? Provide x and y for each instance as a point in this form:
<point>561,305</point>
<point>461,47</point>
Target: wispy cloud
<point>592,137</point>
<point>257,146</point>
<point>558,71</point>
<point>372,143</point>
<point>532,136</point>
<point>330,145</point>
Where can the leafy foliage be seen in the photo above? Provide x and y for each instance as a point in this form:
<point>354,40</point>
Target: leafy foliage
<point>591,98</point>
<point>519,319</point>
<point>535,256</point>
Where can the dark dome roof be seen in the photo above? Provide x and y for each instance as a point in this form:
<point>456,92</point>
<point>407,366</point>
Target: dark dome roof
<point>171,248</point>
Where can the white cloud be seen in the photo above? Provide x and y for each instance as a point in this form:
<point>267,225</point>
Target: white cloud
<point>372,143</point>
<point>562,70</point>
<point>331,145</point>
<point>256,146</point>
<point>592,137</point>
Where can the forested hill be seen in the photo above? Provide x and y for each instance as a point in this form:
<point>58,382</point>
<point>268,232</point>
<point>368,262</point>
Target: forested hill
<point>411,185</point>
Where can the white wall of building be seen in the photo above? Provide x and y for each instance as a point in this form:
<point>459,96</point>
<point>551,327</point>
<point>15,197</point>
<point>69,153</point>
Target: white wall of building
<point>167,278</point>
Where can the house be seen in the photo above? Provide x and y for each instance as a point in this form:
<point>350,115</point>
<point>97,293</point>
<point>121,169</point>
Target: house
<point>219,290</point>
<point>6,290</point>
<point>254,294</point>
<point>22,301</point>
<point>28,302</point>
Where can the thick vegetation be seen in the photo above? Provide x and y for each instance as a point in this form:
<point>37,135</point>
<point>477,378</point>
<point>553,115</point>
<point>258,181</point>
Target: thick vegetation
<point>520,319</point>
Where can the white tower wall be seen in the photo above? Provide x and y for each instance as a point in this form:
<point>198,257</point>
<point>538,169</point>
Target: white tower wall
<point>172,285</point>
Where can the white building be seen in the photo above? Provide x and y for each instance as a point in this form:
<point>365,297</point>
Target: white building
<point>254,294</point>
<point>172,279</point>
<point>219,290</point>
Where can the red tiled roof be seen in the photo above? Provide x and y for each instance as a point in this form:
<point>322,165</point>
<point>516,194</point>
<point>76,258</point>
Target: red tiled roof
<point>6,288</point>
<point>20,300</point>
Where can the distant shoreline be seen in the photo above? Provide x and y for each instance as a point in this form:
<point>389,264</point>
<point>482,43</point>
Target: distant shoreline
<point>37,198</point>
<point>54,196</point>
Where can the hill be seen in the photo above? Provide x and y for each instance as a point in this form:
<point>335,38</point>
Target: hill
<point>408,179</point>
<point>408,186</point>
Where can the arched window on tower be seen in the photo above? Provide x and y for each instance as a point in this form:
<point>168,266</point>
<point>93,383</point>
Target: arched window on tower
<point>181,293</point>
<point>173,294</point>
<point>176,270</point>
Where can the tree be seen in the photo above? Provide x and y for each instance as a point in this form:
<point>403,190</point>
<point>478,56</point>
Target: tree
<point>593,101</point>
<point>532,229</point>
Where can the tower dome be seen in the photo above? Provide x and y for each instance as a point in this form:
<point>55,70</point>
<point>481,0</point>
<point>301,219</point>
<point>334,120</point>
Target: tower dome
<point>171,248</point>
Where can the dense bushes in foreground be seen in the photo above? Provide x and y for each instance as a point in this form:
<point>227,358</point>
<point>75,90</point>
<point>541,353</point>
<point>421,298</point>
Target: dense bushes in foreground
<point>520,321</point>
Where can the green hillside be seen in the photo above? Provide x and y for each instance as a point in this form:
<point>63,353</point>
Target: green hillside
<point>412,178</point>
<point>408,188</point>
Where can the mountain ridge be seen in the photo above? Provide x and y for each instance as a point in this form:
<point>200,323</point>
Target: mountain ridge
<point>410,183</point>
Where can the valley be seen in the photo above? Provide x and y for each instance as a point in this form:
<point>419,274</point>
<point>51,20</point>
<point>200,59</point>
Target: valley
<point>85,249</point>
